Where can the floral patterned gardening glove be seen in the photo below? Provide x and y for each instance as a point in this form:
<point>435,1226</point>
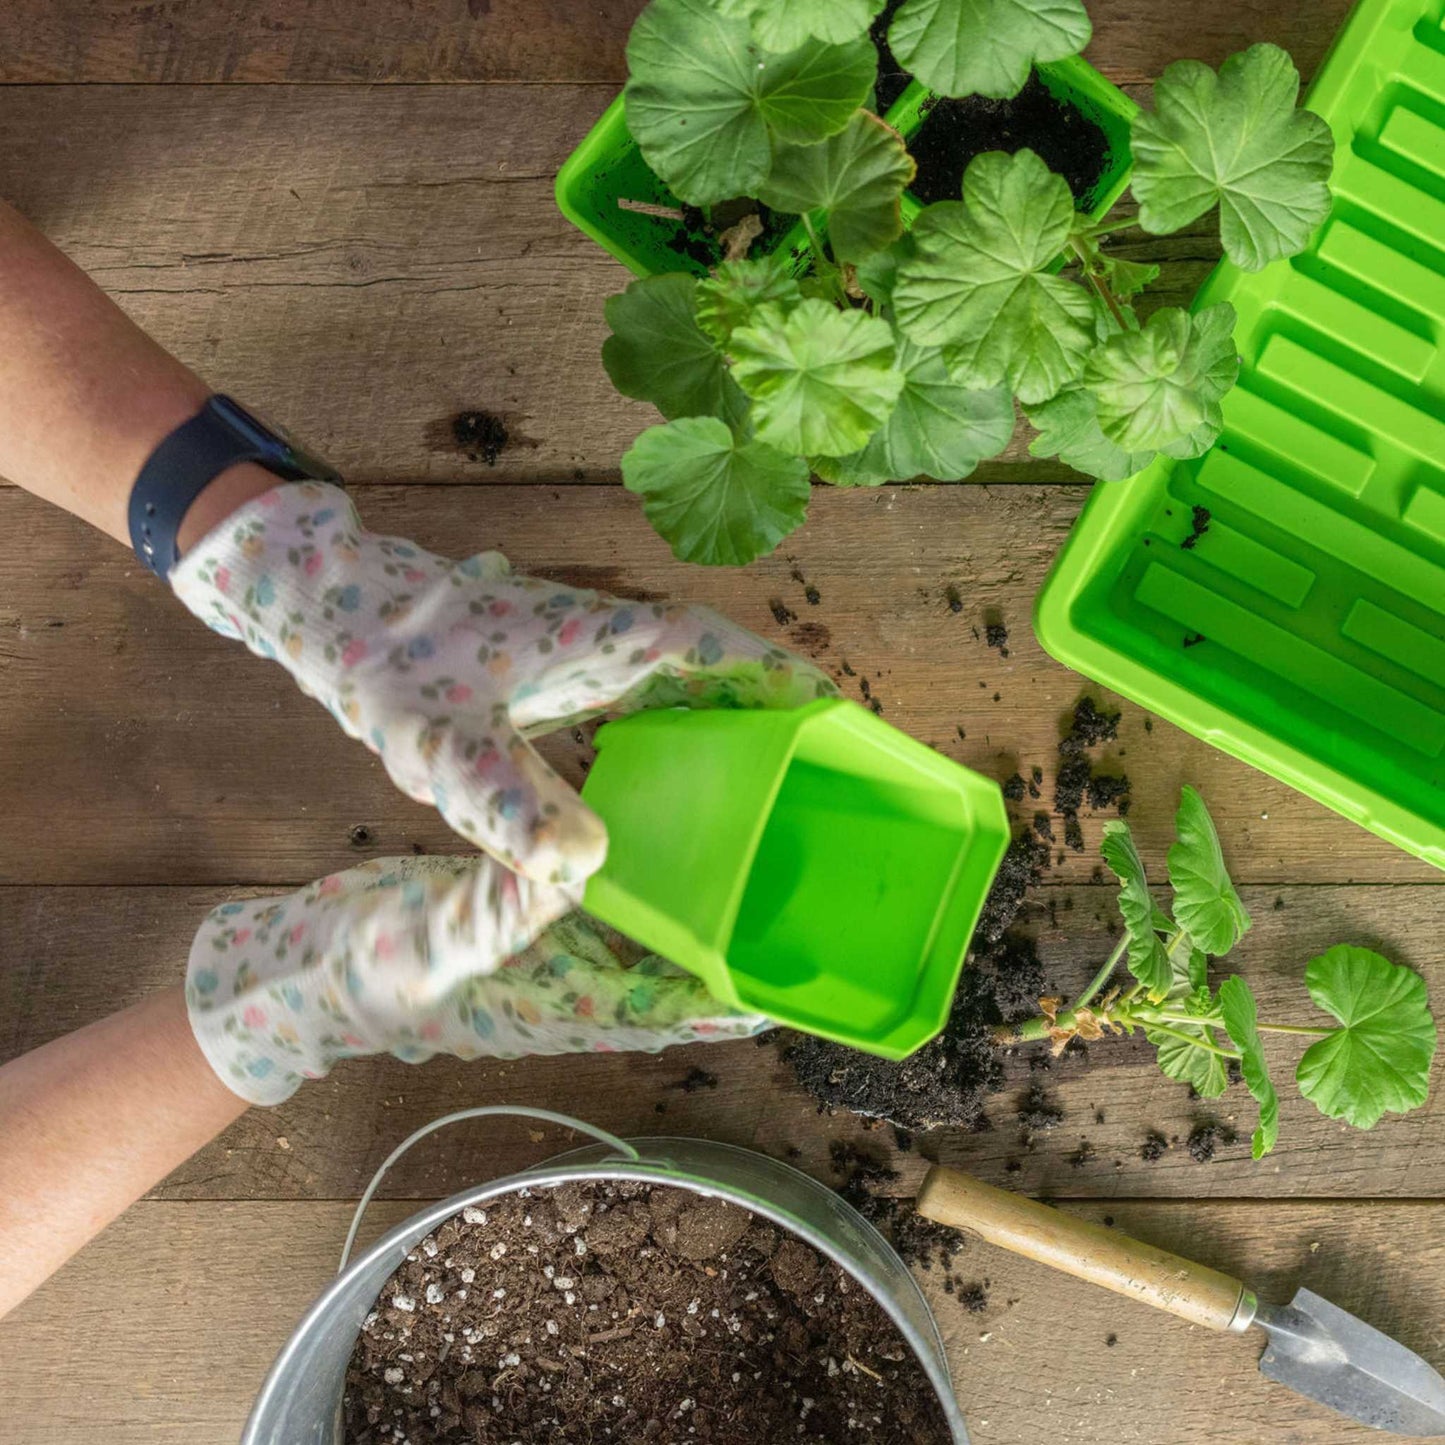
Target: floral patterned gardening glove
<point>445,669</point>
<point>424,956</point>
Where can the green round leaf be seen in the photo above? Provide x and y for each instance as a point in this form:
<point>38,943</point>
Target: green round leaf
<point>1234,140</point>
<point>856,176</point>
<point>849,471</point>
<point>783,24</point>
<point>1068,426</point>
<point>1206,905</point>
<point>1149,962</point>
<point>714,499</point>
<point>985,47</point>
<point>728,298</point>
<point>822,380</point>
<point>1241,1019</point>
<point>1189,1062</point>
<point>978,280</point>
<point>939,428</point>
<point>705,104</point>
<point>1379,1061</point>
<point>1161,386</point>
<point>657,351</point>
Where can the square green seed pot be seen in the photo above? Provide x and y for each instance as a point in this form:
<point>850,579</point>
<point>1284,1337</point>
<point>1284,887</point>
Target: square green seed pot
<point>816,865</point>
<point>605,179</point>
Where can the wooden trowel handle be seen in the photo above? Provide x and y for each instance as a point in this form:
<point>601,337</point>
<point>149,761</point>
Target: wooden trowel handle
<point>1087,1251</point>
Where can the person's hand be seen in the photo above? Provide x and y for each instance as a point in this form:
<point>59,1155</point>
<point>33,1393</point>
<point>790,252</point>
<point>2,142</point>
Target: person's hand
<point>424,956</point>
<point>445,669</point>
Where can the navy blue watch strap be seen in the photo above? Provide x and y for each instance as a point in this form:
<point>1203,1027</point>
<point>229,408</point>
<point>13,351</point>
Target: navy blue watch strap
<point>220,435</point>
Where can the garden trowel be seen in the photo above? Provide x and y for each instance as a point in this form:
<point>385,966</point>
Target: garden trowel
<point>1314,1347</point>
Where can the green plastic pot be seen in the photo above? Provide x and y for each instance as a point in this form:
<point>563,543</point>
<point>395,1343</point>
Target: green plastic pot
<point>607,168</point>
<point>1304,630</point>
<point>816,865</point>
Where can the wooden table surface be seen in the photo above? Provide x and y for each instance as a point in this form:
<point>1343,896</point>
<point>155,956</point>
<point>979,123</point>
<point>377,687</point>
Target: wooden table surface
<point>343,213</point>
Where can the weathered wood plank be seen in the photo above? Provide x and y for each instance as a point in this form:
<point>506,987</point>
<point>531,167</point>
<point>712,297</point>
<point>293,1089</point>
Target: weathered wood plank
<point>365,264</point>
<point>136,747</point>
<point>498,40</point>
<point>169,1322</point>
<point>80,952</point>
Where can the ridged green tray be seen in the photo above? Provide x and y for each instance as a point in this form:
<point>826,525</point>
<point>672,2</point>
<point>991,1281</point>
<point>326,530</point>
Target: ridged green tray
<point>1304,630</point>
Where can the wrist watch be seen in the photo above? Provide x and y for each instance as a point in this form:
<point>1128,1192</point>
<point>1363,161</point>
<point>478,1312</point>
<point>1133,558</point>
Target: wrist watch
<point>220,435</point>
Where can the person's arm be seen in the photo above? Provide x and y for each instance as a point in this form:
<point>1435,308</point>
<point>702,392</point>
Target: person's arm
<point>86,395</point>
<point>91,1121</point>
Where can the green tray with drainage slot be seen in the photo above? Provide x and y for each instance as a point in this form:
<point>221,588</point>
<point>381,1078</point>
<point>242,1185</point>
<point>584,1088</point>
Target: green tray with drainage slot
<point>815,865</point>
<point>1315,601</point>
<point>607,168</point>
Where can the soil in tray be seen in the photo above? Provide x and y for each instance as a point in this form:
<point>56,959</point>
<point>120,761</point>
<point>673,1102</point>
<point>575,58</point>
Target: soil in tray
<point>699,238</point>
<point>955,131</point>
<point>628,1312</point>
<point>892,78</point>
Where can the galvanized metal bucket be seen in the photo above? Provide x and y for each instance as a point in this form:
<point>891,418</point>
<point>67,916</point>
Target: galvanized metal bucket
<point>300,1402</point>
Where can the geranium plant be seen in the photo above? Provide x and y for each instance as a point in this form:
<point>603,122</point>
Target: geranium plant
<point>1372,1057</point>
<point>882,356</point>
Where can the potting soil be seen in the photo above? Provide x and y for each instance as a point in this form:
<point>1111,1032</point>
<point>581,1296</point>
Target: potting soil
<point>619,1311</point>
<point>955,131</point>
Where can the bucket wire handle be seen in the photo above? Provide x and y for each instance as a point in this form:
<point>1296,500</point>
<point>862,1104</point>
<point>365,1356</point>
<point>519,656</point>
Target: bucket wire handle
<point>620,1146</point>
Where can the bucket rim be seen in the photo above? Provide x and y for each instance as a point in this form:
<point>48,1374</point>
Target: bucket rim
<point>651,1167</point>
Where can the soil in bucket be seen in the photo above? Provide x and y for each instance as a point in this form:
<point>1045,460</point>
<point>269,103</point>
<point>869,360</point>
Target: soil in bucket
<point>955,131</point>
<point>629,1312</point>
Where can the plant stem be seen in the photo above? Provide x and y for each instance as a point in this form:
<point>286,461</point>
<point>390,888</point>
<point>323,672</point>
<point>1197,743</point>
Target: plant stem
<point>1100,289</point>
<point>1102,977</point>
<point>813,237</point>
<point>1193,1042</point>
<point>1107,228</point>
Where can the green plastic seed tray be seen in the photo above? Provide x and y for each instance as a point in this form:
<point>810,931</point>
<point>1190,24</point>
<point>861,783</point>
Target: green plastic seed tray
<point>816,865</point>
<point>607,190</point>
<point>1303,628</point>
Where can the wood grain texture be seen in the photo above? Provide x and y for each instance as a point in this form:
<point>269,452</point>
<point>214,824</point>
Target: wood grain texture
<point>364,264</point>
<point>501,40</point>
<point>136,747</point>
<point>166,1326</point>
<point>82,952</point>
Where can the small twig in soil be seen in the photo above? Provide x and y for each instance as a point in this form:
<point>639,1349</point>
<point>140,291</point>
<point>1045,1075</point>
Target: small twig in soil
<point>650,208</point>
<point>859,1365</point>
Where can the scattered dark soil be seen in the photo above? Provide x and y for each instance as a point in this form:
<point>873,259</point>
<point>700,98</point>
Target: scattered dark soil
<point>974,1297</point>
<point>1015,788</point>
<point>625,1311</point>
<point>782,614</point>
<point>1023,867</point>
<point>1206,1137</point>
<point>1089,728</point>
<point>695,1080</point>
<point>955,131</point>
<point>1198,527</point>
<point>1077,781</point>
<point>1111,1340</point>
<point>1039,1110</point>
<point>996,635</point>
<point>481,435</point>
<point>1154,1147</point>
